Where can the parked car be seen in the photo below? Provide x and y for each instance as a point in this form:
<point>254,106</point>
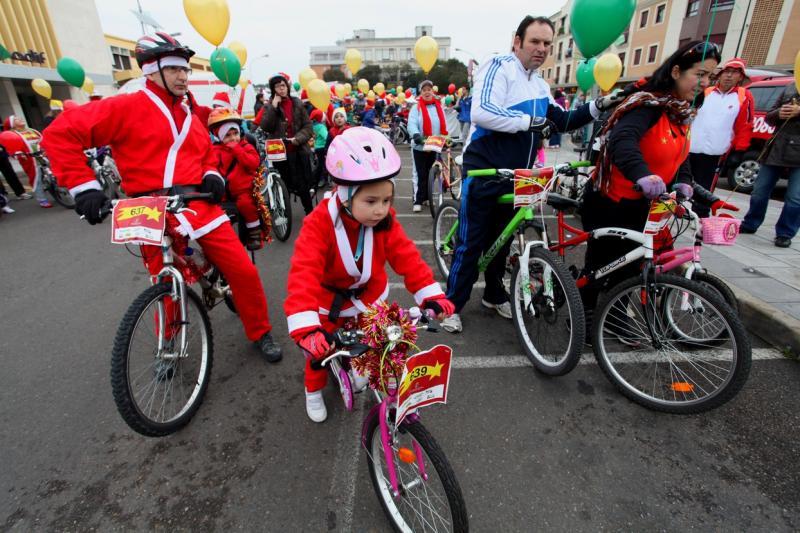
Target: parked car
<point>765,93</point>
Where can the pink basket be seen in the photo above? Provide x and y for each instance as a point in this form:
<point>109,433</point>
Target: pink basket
<point>721,230</point>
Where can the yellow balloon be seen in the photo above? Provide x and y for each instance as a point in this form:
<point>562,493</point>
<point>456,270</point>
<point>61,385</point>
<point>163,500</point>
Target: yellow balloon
<point>352,58</point>
<point>306,75</point>
<point>347,89</point>
<point>56,104</point>
<point>88,85</point>
<point>426,51</point>
<point>42,88</point>
<point>607,70</point>
<point>371,95</point>
<point>210,18</point>
<point>318,94</point>
<point>399,89</point>
<point>243,83</point>
<point>797,71</point>
<point>379,88</point>
<point>436,89</point>
<point>240,51</point>
<point>401,98</point>
<point>340,89</point>
<point>363,85</point>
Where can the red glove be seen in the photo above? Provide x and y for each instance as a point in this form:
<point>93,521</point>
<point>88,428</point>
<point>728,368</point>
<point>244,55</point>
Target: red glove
<point>719,204</point>
<point>315,344</point>
<point>439,305</point>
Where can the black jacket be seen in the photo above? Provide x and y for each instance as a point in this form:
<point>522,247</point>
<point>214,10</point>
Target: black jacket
<point>784,148</point>
<point>275,123</point>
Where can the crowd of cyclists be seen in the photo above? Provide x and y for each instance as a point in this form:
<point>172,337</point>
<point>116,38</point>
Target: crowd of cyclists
<point>165,143</point>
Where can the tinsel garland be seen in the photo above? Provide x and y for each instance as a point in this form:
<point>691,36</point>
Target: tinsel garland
<point>261,205</point>
<point>384,360</point>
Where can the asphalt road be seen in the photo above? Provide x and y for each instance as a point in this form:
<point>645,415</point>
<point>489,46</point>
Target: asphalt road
<point>531,453</point>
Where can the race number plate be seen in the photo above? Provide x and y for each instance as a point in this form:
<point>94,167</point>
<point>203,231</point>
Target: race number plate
<point>276,150</point>
<point>434,143</point>
<point>660,213</point>
<point>530,184</point>
<point>139,220</point>
<point>425,380</point>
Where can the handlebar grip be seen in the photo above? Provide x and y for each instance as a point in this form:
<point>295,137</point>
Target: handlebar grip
<point>198,196</point>
<point>580,164</point>
<point>482,172</point>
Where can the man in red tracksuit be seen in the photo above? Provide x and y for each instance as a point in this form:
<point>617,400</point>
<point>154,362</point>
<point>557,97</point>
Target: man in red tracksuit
<point>160,145</point>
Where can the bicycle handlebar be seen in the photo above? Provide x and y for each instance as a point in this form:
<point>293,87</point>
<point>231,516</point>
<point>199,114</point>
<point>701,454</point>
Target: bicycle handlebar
<point>510,172</point>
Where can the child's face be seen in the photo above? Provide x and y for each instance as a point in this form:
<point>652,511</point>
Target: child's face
<point>339,120</point>
<point>371,202</point>
<point>231,136</point>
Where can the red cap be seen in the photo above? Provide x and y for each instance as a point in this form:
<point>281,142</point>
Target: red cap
<point>736,63</point>
<point>221,99</point>
<point>316,115</point>
<point>304,95</point>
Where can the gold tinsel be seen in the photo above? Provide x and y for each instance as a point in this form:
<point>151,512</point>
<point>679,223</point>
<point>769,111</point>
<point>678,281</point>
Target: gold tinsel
<point>261,205</point>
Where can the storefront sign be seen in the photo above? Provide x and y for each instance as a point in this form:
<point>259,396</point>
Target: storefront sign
<point>30,56</point>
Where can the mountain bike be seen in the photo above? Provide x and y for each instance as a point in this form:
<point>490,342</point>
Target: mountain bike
<point>60,194</point>
<point>275,191</point>
<point>413,479</point>
<point>670,343</point>
<point>545,304</point>
<point>445,174</point>
<point>163,350</point>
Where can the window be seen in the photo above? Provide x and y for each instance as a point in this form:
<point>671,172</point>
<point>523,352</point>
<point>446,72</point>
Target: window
<point>721,5</point>
<point>652,52</point>
<point>368,54</point>
<point>549,73</point>
<point>660,12</point>
<point>622,59</point>
<point>558,74</point>
<point>765,97</point>
<point>121,57</point>
<point>643,19</point>
<point>562,28</point>
<point>693,8</point>
<point>560,49</point>
<point>566,73</point>
<point>637,56</point>
<point>408,54</point>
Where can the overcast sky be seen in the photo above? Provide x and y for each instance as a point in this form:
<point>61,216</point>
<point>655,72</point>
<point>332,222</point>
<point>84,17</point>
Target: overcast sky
<point>286,30</point>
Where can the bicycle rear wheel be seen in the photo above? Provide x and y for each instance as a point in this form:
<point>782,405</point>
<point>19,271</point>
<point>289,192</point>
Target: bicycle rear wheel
<point>430,499</point>
<point>444,247</point>
<point>552,327</point>
<point>435,189</point>
<point>455,180</point>
<point>158,390</point>
<point>281,211</point>
<point>719,286</point>
<point>686,369</point>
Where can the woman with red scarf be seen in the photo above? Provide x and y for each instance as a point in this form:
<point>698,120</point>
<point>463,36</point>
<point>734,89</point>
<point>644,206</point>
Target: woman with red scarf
<point>424,120</point>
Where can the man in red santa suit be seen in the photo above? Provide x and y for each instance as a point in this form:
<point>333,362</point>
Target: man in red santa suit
<point>161,148</point>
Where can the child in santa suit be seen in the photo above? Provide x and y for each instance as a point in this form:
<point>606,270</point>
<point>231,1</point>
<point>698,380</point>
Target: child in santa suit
<point>339,264</point>
<point>237,162</point>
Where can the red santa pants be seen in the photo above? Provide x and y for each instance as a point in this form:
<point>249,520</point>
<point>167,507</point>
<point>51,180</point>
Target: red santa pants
<point>222,248</point>
<point>246,206</point>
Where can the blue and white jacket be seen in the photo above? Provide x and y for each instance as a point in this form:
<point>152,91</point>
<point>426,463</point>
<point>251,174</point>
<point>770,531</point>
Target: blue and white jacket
<point>505,97</point>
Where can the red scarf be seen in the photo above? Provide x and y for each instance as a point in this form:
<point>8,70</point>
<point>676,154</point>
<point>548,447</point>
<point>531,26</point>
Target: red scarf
<point>426,119</point>
<point>287,106</point>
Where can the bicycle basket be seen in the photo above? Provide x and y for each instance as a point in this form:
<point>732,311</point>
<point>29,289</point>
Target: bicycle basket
<point>721,230</point>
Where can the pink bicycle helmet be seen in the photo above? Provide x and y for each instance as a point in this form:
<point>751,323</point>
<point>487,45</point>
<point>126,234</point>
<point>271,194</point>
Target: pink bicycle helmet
<point>361,155</point>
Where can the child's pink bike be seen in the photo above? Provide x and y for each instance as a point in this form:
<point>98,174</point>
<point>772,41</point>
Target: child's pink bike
<point>415,483</point>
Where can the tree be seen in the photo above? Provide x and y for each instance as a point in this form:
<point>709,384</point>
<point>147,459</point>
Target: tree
<point>372,73</point>
<point>334,74</point>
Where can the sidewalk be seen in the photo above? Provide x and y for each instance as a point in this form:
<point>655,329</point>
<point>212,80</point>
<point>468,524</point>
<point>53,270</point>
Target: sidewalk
<point>765,278</point>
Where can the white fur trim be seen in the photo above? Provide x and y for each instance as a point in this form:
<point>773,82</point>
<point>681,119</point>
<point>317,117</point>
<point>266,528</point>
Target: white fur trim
<point>88,186</point>
<point>178,137</point>
<point>303,319</point>
<point>434,289</point>
<point>345,253</point>
<point>166,61</point>
<point>214,173</point>
<point>225,128</point>
<point>199,232</point>
<point>254,224</point>
<point>221,103</point>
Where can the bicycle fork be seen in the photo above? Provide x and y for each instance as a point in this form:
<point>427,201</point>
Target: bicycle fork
<point>525,276</point>
<point>169,272</point>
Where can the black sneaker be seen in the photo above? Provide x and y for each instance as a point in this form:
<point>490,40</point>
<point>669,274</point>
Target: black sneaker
<point>269,349</point>
<point>783,242</point>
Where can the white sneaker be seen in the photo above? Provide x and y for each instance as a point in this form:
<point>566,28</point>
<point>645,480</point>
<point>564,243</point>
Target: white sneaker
<point>359,382</point>
<point>503,309</point>
<point>315,406</point>
<point>417,208</point>
<point>452,324</point>
<point>25,196</point>
<point>8,210</point>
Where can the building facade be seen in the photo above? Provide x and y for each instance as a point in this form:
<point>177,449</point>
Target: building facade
<point>385,52</point>
<point>38,33</point>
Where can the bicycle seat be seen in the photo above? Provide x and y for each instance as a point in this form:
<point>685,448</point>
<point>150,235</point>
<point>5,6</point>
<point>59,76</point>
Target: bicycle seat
<point>562,203</point>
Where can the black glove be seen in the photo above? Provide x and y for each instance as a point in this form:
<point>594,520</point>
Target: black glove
<point>734,159</point>
<point>214,184</point>
<point>542,126</point>
<point>94,205</point>
<point>418,139</point>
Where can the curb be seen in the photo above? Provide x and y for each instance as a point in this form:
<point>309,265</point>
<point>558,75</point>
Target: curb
<point>770,323</point>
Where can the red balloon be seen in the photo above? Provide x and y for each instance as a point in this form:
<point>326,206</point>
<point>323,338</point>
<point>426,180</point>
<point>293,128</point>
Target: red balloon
<point>408,93</point>
<point>451,88</point>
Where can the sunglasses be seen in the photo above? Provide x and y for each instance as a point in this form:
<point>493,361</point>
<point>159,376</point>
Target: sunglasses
<point>705,48</point>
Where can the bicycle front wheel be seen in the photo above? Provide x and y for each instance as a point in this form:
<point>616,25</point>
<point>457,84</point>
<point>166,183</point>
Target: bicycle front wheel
<point>161,364</point>
<point>551,327</point>
<point>430,498</point>
<point>281,211</point>
<point>435,189</point>
<point>445,239</point>
<point>654,344</point>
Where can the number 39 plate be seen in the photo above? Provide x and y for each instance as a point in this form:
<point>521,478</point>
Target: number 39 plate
<point>425,380</point>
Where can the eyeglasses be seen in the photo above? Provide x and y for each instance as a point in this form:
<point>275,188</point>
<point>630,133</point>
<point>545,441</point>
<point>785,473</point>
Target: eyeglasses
<point>705,48</point>
<point>174,70</point>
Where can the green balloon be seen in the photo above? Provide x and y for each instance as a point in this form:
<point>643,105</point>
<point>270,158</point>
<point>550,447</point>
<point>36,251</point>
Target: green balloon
<point>297,86</point>
<point>596,24</point>
<point>585,74</point>
<point>71,71</point>
<point>4,54</point>
<point>448,100</point>
<point>226,66</point>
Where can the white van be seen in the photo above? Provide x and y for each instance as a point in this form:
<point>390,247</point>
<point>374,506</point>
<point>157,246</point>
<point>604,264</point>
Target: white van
<point>204,85</point>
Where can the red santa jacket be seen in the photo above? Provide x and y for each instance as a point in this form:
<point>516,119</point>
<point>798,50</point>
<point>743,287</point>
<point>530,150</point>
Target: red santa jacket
<point>157,143</point>
<point>239,175</point>
<point>323,256</point>
<point>25,141</point>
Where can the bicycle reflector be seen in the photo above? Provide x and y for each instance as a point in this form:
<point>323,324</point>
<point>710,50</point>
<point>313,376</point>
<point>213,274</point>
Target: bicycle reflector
<point>682,386</point>
<point>406,455</point>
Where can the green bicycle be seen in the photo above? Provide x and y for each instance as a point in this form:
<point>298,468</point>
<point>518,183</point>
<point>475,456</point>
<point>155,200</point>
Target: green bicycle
<point>545,304</point>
